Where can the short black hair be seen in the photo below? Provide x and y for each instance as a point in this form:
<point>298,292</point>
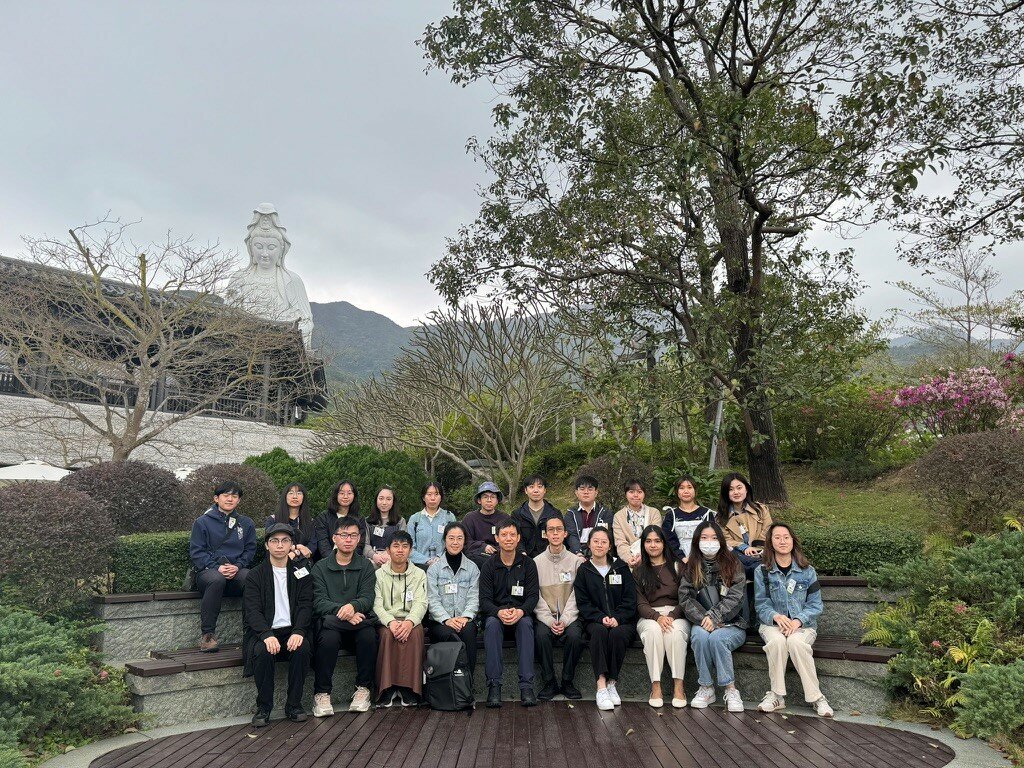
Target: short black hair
<point>227,486</point>
<point>508,524</point>
<point>346,522</point>
<point>634,482</point>
<point>534,479</point>
<point>556,518</point>
<point>583,480</point>
<point>402,537</point>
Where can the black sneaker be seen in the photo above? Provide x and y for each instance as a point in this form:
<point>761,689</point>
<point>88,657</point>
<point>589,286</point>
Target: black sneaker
<point>570,691</point>
<point>261,719</point>
<point>527,697</point>
<point>548,692</point>
<point>297,716</point>
<point>493,696</point>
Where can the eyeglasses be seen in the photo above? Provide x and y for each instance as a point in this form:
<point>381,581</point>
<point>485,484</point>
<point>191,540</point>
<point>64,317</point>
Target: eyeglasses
<point>559,529</point>
<point>347,535</point>
<point>279,541</point>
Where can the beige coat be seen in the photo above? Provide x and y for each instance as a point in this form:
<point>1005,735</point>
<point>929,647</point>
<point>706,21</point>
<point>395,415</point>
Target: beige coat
<point>750,521</point>
<point>624,534</point>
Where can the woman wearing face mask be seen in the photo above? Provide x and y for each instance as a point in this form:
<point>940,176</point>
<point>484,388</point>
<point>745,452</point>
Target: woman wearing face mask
<point>712,591</point>
<point>744,520</point>
<point>788,602</point>
<point>381,524</point>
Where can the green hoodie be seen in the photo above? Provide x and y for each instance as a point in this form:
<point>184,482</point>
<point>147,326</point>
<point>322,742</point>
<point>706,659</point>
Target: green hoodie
<point>401,596</point>
<point>337,585</point>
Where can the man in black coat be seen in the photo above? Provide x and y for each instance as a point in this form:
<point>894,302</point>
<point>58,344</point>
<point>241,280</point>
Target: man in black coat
<point>277,608</point>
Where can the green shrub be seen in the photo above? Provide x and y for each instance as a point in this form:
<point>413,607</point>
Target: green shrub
<point>282,468</point>
<point>612,471</point>
<point>460,501</point>
<point>259,494</point>
<point>708,484</point>
<point>853,550</point>
<point>58,546</point>
<point>54,691</point>
<point>565,459</point>
<point>451,475</point>
<point>368,469</point>
<point>139,497</point>
<point>986,692</point>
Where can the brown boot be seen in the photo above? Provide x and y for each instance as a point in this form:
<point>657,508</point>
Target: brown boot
<point>209,643</point>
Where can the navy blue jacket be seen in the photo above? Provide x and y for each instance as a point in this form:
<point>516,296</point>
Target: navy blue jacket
<point>204,545</point>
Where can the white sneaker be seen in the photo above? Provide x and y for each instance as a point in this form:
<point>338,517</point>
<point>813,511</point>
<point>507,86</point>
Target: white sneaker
<point>822,708</point>
<point>705,695</point>
<point>733,702</point>
<point>614,694</point>
<point>772,702</point>
<point>322,705</point>
<point>360,700</point>
<point>604,700</point>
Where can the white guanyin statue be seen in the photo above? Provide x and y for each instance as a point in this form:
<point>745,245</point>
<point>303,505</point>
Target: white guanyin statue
<point>265,287</point>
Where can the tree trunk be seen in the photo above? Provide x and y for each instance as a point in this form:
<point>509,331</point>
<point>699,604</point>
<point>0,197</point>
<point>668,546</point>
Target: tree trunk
<point>763,457</point>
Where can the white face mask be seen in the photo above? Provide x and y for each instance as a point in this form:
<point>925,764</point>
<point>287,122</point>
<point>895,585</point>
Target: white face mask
<point>709,548</point>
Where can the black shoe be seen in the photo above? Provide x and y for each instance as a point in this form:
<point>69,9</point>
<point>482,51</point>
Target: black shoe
<point>493,696</point>
<point>261,719</point>
<point>548,692</point>
<point>570,691</point>
<point>297,716</point>
<point>527,697</point>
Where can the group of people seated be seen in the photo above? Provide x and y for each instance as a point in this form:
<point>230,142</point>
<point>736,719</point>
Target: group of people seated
<point>378,586</point>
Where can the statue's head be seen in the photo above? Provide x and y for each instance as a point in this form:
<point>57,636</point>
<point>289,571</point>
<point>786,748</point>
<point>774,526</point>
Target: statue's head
<point>267,241</point>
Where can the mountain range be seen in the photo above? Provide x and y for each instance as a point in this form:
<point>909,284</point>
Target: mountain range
<point>357,343</point>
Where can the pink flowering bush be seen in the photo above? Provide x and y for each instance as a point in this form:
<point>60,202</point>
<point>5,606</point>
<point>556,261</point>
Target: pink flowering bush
<point>956,402</point>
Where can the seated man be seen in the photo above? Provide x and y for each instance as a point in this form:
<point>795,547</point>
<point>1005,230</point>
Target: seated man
<point>276,610</point>
<point>508,598</point>
<point>221,548</point>
<point>482,524</point>
<point>343,592</point>
<point>557,614</point>
<point>400,605</point>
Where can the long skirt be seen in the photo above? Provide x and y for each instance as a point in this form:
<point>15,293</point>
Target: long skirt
<point>400,663</point>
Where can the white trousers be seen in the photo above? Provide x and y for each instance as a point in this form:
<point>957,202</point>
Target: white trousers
<point>658,644</point>
<point>798,647</point>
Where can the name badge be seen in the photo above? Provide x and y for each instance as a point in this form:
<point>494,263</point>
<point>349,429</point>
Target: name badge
<point>408,596</point>
<point>494,530</point>
<point>565,577</point>
<point>440,528</point>
<point>301,573</point>
<point>517,591</point>
<point>615,579</point>
<point>723,590</point>
<point>451,589</point>
<point>790,586</point>
<point>601,524</point>
<point>231,522</point>
<point>585,535</point>
<point>543,533</point>
<point>378,530</point>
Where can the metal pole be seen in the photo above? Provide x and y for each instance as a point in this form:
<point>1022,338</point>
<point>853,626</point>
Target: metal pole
<point>714,433</point>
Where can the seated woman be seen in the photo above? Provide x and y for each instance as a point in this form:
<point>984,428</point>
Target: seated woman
<point>382,522</point>
<point>630,521</point>
<point>744,520</point>
<point>606,599</point>
<point>293,510</point>
<point>712,591</point>
<point>787,597</point>
<point>343,502</point>
<point>400,603</point>
<point>453,594</point>
<point>663,630</point>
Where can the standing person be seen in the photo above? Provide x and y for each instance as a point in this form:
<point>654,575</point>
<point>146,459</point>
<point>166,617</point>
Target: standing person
<point>343,595</point>
<point>508,597</point>
<point>293,510</point>
<point>712,591</point>
<point>681,521</point>
<point>787,596</point>
<point>663,630</point>
<point>427,526</point>
<point>744,520</point>
<point>342,503</point>
<point>532,515</point>
<point>453,594</point>
<point>221,547</point>
<point>630,521</point>
<point>277,608</point>
<point>585,517</point>
<point>382,523</point>
<point>482,524</point>
<point>400,603</point>
<point>606,597</point>
<point>557,615</point>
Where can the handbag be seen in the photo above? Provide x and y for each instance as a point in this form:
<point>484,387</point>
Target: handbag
<point>188,583</point>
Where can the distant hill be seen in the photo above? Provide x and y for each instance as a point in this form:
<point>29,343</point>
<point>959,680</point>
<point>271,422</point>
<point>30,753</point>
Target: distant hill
<point>361,343</point>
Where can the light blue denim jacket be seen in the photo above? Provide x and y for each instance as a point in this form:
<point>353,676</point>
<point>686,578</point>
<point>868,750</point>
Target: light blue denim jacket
<point>804,603</point>
<point>465,601</point>
<point>426,536</point>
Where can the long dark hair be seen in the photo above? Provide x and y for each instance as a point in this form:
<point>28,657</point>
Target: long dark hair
<point>283,512</point>
<point>769,552</point>
<point>646,577</point>
<point>728,563</point>
<point>332,502</point>
<point>725,506</point>
<point>394,516</point>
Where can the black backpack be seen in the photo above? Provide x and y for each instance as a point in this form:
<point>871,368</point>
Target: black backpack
<point>448,680</point>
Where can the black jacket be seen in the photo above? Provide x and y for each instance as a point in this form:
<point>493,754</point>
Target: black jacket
<point>323,533</point>
<point>258,606</point>
<point>597,597</point>
<point>574,527</point>
<point>496,582</point>
<point>534,541</point>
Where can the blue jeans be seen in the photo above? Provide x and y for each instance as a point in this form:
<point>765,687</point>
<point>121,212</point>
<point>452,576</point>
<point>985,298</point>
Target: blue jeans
<point>715,649</point>
<point>494,635</point>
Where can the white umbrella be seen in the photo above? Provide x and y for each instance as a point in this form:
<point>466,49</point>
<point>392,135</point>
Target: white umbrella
<point>33,469</point>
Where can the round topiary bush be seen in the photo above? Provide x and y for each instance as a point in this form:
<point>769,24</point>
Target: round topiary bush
<point>368,469</point>
<point>259,494</point>
<point>139,497</point>
<point>612,471</point>
<point>59,545</point>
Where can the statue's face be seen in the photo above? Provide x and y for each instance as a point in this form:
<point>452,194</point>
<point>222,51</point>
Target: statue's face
<point>265,253</point>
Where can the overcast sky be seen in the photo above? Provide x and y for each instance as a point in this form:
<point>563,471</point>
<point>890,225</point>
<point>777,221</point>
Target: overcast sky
<point>187,115</point>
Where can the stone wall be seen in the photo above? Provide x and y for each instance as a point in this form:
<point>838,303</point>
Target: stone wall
<point>35,429</point>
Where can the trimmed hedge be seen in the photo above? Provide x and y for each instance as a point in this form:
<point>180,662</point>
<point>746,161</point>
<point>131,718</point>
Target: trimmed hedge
<point>853,550</point>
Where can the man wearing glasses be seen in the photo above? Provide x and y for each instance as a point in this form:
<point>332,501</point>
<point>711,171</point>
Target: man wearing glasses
<point>343,592</point>
<point>557,614</point>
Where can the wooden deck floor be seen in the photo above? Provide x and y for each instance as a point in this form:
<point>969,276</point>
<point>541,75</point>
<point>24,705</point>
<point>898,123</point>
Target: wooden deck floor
<point>550,734</point>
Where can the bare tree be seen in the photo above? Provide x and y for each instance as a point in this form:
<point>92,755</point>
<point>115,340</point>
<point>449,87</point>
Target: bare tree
<point>479,385</point>
<point>130,341</point>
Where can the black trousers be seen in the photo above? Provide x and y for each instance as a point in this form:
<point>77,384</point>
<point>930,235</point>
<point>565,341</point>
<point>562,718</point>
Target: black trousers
<point>214,587</point>
<point>572,643</point>
<point>442,633</point>
<point>608,648</point>
<point>361,638</point>
<point>263,671</point>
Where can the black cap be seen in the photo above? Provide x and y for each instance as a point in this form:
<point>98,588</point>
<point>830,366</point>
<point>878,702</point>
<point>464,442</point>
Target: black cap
<point>278,528</point>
